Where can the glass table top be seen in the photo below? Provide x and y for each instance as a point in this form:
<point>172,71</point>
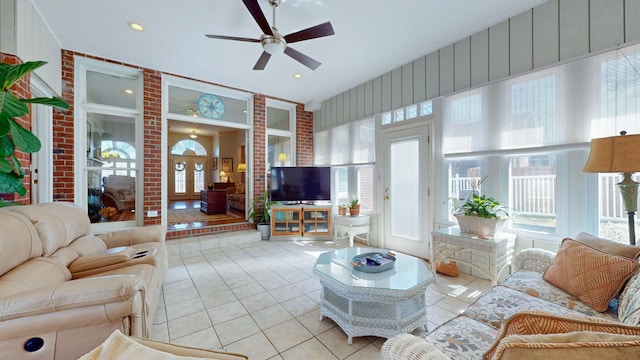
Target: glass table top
<point>407,273</point>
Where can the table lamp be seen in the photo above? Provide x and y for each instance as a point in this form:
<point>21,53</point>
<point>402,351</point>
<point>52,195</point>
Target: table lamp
<point>223,176</point>
<point>242,168</point>
<point>619,154</point>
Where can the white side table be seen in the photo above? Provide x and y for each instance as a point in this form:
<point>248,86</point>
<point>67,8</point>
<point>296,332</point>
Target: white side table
<point>353,226</point>
<point>486,256</point>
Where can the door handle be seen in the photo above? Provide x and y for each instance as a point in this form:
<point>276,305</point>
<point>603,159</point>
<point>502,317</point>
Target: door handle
<point>386,194</point>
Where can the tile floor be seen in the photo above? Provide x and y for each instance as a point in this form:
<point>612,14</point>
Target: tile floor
<point>261,299</point>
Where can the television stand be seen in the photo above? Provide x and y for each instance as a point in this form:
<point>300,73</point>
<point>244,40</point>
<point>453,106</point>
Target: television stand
<point>292,222</point>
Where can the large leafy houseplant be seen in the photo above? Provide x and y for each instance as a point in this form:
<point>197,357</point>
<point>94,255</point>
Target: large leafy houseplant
<point>12,135</point>
<point>260,210</point>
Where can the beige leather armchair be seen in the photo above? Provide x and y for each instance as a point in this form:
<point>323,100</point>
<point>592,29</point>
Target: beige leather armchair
<point>51,310</point>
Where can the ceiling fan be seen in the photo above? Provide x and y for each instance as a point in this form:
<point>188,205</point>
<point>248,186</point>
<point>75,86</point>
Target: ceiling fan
<point>273,42</point>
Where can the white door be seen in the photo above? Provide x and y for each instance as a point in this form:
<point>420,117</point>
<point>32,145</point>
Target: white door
<point>408,217</point>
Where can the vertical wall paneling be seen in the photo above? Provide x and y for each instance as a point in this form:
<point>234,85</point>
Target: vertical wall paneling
<point>8,26</point>
<point>499,51</point>
<point>604,24</point>
<point>446,70</point>
<point>545,34</point>
<point>631,23</point>
<point>574,28</point>
<point>360,113</point>
<point>521,43</point>
<point>462,64</point>
<point>345,107</point>
<point>419,80</point>
<point>368,98</point>
<point>337,117</point>
<point>396,88</point>
<point>433,75</point>
<point>479,57</point>
<point>386,92</point>
<point>353,104</point>
<point>555,31</point>
<point>407,84</point>
<point>34,41</point>
<point>377,95</point>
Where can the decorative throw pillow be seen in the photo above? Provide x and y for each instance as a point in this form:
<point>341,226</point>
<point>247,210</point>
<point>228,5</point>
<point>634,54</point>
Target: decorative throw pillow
<point>609,246</point>
<point>583,345</point>
<point>590,275</point>
<point>532,322</point>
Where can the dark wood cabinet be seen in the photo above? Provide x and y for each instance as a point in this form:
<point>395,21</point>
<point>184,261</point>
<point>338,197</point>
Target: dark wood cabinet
<point>221,185</point>
<point>213,201</point>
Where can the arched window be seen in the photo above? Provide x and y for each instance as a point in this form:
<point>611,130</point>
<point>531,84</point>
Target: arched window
<point>183,146</point>
<point>119,158</point>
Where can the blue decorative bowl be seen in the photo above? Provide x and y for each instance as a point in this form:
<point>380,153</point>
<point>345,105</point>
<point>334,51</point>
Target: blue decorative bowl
<point>374,262</point>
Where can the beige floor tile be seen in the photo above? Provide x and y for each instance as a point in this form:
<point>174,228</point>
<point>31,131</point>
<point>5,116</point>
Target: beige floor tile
<point>175,311</point>
<point>309,350</point>
<point>311,321</point>
<point>285,293</point>
<point>336,341</point>
<point>287,335</point>
<point>438,315</point>
<point>236,329</point>
<point>248,290</point>
<point>366,353</point>
<point>160,332</point>
<point>300,305</point>
<point>256,347</point>
<point>207,339</point>
<point>258,301</point>
<point>226,312</point>
<point>213,299</point>
<point>271,316</point>
<point>453,305</point>
<point>188,325</point>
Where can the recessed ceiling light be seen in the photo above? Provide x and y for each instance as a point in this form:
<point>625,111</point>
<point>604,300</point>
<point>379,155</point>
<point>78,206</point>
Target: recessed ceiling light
<point>297,75</point>
<point>135,26</point>
<point>128,91</point>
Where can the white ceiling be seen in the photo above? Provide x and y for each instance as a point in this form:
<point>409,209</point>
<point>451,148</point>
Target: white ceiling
<point>372,37</point>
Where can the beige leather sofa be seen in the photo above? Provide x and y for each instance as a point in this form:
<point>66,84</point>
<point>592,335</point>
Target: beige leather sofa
<point>63,290</point>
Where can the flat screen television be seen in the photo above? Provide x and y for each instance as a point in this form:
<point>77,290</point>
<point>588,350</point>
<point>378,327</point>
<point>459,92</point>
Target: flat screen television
<point>299,184</point>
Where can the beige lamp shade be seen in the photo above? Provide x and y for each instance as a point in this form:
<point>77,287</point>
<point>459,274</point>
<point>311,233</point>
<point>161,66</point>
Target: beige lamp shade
<point>242,167</point>
<point>616,154</point>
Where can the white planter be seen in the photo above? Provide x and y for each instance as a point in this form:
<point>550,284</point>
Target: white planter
<point>481,227</point>
<point>265,231</point>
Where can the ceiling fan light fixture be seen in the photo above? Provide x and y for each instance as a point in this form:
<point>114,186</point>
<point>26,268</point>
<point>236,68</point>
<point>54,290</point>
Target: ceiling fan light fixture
<point>273,45</point>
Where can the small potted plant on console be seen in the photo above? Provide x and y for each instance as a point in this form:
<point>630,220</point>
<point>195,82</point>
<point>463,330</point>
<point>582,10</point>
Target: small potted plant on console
<point>260,211</point>
<point>481,216</point>
<point>354,206</point>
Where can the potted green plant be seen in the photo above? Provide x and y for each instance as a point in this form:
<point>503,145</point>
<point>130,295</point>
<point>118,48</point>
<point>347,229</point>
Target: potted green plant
<point>12,135</point>
<point>354,206</point>
<point>260,211</point>
<point>482,216</point>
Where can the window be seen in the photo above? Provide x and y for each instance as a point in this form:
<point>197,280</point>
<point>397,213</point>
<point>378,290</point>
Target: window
<point>532,182</point>
<point>358,181</point>
<point>464,178</point>
<point>350,150</point>
<point>108,99</point>
<point>280,134</point>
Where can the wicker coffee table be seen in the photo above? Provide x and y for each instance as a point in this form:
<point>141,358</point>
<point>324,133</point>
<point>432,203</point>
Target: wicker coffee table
<point>382,304</point>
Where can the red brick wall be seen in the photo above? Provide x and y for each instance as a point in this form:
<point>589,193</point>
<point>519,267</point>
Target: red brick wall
<point>23,90</point>
<point>64,133</point>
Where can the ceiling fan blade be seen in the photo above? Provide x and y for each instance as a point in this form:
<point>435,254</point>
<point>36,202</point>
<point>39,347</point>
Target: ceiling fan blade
<point>262,62</point>
<point>223,37</point>
<point>258,16</point>
<point>302,58</point>
<point>321,30</point>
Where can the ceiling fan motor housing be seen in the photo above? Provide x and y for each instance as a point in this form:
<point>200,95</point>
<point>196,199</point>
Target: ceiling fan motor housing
<point>273,44</point>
